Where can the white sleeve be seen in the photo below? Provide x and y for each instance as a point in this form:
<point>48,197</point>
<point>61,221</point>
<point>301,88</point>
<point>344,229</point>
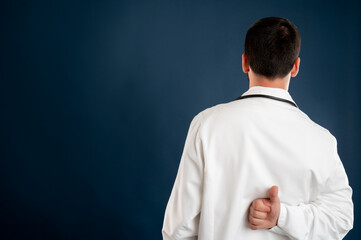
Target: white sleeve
<point>181,219</point>
<point>330,216</point>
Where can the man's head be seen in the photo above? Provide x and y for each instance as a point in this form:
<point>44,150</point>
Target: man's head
<point>272,47</point>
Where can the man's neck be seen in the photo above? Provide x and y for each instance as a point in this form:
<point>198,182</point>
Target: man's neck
<point>256,80</point>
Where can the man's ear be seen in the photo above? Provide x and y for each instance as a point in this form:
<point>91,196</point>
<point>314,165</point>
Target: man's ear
<point>245,64</point>
<point>296,67</point>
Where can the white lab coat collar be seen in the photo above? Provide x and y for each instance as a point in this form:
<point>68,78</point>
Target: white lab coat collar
<point>276,92</point>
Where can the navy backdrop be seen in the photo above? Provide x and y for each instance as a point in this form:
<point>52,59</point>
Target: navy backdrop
<point>97,98</point>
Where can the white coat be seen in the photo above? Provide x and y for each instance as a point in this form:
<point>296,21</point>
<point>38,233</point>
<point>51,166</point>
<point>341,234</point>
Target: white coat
<point>234,152</point>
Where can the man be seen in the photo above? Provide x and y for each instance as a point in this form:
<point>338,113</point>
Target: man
<point>258,167</point>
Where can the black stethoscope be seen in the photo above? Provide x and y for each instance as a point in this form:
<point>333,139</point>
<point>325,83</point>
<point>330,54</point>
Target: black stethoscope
<point>267,96</point>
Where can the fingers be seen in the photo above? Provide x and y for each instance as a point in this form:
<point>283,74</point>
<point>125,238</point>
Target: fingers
<point>257,214</point>
<point>255,221</point>
<point>263,212</point>
<point>267,203</point>
<point>253,227</point>
<point>260,205</point>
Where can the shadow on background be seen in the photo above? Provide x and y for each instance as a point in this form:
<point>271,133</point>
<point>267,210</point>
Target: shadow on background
<point>97,98</point>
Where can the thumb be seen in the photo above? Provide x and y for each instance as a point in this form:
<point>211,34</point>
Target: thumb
<point>275,202</point>
<point>273,194</point>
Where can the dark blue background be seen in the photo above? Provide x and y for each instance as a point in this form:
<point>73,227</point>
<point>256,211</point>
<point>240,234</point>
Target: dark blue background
<point>97,98</point>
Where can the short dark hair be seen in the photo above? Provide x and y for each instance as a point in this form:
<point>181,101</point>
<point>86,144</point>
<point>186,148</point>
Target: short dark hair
<point>272,46</point>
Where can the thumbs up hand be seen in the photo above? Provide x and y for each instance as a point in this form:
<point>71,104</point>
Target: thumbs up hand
<point>264,212</point>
